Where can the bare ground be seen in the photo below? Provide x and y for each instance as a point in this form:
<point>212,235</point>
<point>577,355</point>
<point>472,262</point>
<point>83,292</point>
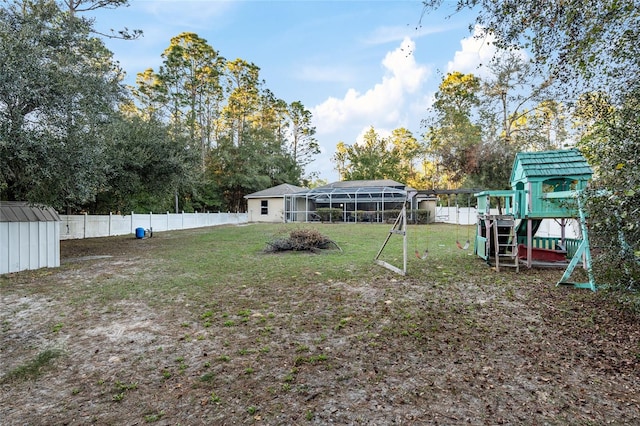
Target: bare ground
<point>486,349</point>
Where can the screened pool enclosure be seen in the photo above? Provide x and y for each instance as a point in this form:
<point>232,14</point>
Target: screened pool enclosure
<point>351,201</point>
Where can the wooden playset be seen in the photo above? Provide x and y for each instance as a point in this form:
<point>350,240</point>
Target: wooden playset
<point>545,185</point>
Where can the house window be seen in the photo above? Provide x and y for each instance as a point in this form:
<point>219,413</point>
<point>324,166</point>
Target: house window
<point>264,207</point>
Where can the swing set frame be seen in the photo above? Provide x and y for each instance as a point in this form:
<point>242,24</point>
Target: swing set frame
<point>399,228</point>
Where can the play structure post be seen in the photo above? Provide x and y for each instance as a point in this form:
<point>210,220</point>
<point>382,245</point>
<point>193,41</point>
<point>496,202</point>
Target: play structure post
<point>582,251</point>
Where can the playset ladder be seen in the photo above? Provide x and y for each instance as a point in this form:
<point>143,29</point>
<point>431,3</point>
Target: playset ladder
<point>505,241</point>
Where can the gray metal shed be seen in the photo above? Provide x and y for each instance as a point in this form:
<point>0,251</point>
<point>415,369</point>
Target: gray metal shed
<point>29,237</point>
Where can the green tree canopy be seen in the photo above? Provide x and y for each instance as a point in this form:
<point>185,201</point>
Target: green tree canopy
<point>146,166</point>
<point>54,103</point>
<point>452,137</point>
<point>246,137</point>
<point>378,157</point>
<point>611,143</point>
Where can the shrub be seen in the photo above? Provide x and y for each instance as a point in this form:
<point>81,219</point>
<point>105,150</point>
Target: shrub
<point>329,214</point>
<point>421,216</point>
<point>390,215</point>
<point>365,216</point>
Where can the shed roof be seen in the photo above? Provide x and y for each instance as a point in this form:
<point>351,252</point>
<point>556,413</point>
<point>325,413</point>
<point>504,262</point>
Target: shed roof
<point>18,211</point>
<point>276,191</point>
<point>549,164</point>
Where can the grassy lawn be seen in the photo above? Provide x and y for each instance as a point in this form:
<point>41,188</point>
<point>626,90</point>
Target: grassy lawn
<point>204,327</point>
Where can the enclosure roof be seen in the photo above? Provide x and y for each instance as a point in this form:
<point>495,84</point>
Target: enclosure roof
<point>548,164</point>
<point>350,184</point>
<point>355,190</point>
<point>276,191</point>
<point>329,193</point>
<point>18,211</point>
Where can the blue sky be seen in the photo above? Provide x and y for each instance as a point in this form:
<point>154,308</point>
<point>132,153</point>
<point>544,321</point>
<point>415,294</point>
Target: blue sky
<point>353,64</point>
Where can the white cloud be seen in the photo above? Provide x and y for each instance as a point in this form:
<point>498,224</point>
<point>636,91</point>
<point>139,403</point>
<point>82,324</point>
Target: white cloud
<point>382,133</point>
<point>387,105</point>
<point>476,54</point>
<point>381,104</point>
<point>477,51</point>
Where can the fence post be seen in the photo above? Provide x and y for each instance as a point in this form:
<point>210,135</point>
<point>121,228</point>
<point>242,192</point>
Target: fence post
<point>109,224</point>
<point>84,227</point>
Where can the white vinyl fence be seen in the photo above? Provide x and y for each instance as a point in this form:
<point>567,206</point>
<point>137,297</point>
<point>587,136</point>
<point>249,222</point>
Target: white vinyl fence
<point>461,215</point>
<point>90,226</point>
<point>468,216</point>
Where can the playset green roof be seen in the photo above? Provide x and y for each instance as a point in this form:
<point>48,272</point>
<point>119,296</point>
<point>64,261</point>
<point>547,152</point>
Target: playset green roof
<point>544,165</point>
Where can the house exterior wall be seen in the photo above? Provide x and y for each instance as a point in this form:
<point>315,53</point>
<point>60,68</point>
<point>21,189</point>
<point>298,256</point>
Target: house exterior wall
<point>274,212</point>
<point>29,245</point>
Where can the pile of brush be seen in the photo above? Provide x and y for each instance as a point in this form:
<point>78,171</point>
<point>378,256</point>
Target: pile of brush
<point>301,240</point>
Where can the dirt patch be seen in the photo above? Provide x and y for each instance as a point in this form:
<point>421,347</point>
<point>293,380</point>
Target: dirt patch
<point>479,348</point>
